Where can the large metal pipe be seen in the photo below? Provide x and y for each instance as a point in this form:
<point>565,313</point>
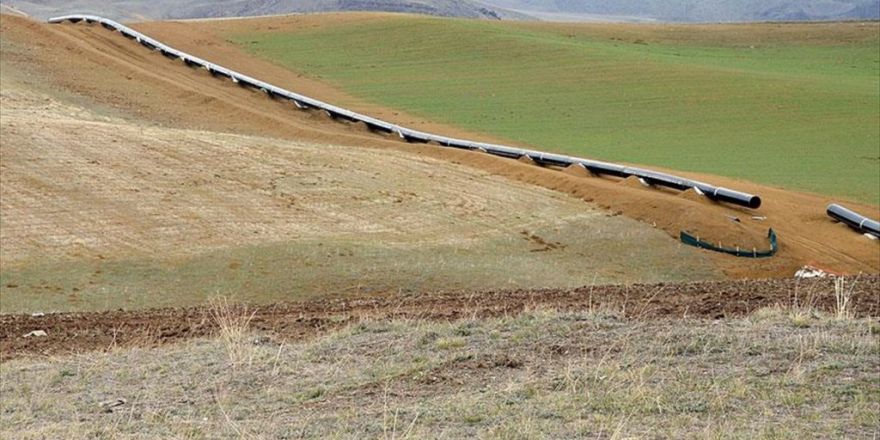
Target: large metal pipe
<point>854,219</point>
<point>546,159</point>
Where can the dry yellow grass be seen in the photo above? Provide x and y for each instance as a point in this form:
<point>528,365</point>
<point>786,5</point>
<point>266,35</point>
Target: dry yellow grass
<point>541,374</point>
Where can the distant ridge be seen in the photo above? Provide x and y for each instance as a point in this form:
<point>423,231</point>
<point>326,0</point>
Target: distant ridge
<point>128,10</point>
<point>686,11</point>
<point>699,10</point>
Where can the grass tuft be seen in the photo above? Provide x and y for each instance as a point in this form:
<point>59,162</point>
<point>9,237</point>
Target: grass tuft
<point>233,325</point>
<point>843,298</point>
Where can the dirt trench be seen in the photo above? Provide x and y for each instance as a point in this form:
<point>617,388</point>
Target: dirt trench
<point>82,332</point>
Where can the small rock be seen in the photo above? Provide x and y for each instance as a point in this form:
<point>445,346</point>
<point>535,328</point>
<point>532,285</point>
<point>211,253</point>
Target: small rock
<point>108,405</point>
<point>37,333</point>
<point>262,340</point>
<point>38,314</point>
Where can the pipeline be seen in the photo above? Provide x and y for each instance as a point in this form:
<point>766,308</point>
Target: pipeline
<point>413,136</point>
<point>854,220</point>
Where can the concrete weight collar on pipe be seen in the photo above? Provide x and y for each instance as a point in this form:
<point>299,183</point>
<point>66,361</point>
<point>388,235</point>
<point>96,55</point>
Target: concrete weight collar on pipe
<point>542,158</point>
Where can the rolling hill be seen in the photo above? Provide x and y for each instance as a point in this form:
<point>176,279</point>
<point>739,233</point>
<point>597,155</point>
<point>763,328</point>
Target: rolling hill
<point>204,175</point>
<point>139,183</point>
<point>400,278</point>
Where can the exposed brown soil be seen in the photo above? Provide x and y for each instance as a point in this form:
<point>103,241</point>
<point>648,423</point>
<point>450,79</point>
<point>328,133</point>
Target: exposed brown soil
<point>79,332</point>
<point>116,72</point>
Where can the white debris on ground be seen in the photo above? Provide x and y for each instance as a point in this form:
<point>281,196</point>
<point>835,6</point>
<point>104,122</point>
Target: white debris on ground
<point>810,272</point>
<point>36,333</point>
<point>872,236</point>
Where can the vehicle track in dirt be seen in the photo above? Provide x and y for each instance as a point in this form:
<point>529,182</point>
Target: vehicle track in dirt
<point>82,332</point>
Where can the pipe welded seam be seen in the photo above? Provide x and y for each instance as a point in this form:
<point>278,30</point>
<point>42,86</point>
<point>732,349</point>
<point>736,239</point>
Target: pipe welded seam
<point>853,219</point>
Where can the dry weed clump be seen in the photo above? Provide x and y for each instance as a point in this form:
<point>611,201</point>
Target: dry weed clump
<point>803,308</point>
<point>233,328</point>
<point>843,298</point>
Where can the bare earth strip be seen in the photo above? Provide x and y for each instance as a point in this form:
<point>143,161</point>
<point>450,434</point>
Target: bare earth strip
<point>80,332</point>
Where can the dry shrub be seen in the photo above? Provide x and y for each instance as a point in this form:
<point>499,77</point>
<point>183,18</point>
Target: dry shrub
<point>843,297</point>
<point>233,325</point>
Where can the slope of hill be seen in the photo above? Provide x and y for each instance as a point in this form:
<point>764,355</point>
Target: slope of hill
<point>792,105</point>
<point>103,208</point>
<point>328,228</point>
<point>176,9</point>
<point>813,239</point>
<point>701,10</point>
<point>140,182</point>
<point>113,155</point>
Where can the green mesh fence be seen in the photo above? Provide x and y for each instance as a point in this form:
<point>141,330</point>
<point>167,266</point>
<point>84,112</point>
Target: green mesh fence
<point>739,252</point>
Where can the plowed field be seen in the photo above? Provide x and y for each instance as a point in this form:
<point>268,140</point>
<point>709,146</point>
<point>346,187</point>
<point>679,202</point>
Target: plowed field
<point>76,332</point>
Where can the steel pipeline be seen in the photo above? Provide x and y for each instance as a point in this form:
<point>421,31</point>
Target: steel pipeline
<point>853,219</point>
<point>593,166</point>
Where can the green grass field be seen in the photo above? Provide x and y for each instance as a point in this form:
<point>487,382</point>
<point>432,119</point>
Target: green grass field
<point>797,112</point>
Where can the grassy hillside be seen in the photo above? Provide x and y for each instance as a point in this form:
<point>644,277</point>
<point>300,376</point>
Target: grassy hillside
<point>796,106</point>
<point>166,232</point>
<point>172,217</point>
